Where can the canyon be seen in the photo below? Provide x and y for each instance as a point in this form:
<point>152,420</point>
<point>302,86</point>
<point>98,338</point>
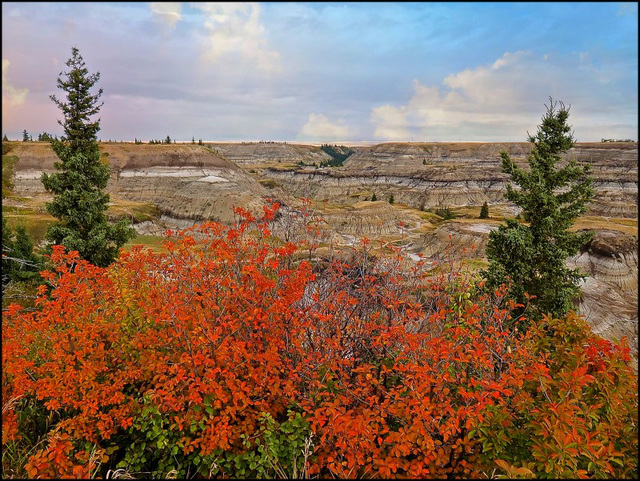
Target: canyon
<point>188,183</point>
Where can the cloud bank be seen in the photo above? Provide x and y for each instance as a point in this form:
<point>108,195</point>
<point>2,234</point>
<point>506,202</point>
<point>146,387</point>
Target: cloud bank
<point>235,32</point>
<point>10,94</point>
<point>320,128</point>
<point>167,12</point>
<point>327,71</point>
<point>504,99</point>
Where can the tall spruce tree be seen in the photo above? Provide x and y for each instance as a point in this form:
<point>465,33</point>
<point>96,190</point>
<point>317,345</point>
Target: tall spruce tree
<point>552,193</point>
<point>79,201</point>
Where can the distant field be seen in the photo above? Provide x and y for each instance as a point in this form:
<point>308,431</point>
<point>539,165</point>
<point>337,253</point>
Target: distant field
<point>153,242</point>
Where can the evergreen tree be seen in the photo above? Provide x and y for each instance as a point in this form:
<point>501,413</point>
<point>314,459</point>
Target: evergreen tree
<point>79,201</point>
<point>7,252</point>
<point>484,211</point>
<point>19,263</point>
<point>27,264</point>
<point>167,140</point>
<point>391,199</point>
<point>373,197</point>
<point>5,138</point>
<point>25,136</point>
<point>551,197</point>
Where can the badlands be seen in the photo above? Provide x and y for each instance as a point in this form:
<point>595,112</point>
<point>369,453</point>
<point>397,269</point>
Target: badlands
<point>436,190</point>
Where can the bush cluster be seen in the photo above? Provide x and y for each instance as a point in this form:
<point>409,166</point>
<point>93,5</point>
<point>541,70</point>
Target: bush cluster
<point>231,356</point>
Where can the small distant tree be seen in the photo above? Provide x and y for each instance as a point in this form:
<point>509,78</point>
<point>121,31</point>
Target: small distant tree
<point>373,197</point>
<point>551,197</point>
<point>391,199</point>
<point>79,201</point>
<point>193,140</point>
<point>5,138</point>
<point>167,140</point>
<point>25,136</point>
<point>484,211</point>
<point>200,142</point>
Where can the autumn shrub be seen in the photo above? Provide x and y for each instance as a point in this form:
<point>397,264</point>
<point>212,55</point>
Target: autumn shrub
<point>231,356</point>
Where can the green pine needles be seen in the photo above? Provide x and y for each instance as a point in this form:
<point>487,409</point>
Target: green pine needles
<point>552,193</point>
<point>79,201</point>
<point>484,211</point>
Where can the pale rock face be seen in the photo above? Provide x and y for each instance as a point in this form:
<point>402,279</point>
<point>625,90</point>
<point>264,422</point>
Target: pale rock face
<point>252,153</point>
<point>457,239</point>
<point>456,174</point>
<point>609,298</point>
<point>188,183</point>
<point>609,293</point>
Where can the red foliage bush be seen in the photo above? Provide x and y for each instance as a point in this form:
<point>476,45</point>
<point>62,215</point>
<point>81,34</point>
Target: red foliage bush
<point>395,372</point>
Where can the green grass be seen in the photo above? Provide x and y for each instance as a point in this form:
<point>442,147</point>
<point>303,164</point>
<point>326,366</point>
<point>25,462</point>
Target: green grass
<point>135,211</point>
<point>36,223</point>
<point>153,242</point>
<point>269,183</point>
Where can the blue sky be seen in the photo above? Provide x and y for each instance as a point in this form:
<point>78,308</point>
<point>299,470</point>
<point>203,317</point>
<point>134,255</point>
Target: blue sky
<point>327,72</point>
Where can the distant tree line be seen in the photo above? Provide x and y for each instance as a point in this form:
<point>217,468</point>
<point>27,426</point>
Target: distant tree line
<point>618,140</point>
<point>338,153</point>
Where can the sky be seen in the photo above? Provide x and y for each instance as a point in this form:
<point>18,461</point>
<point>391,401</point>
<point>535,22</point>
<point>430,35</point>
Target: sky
<point>327,72</point>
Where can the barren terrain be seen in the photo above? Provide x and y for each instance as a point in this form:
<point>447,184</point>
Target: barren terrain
<point>177,185</point>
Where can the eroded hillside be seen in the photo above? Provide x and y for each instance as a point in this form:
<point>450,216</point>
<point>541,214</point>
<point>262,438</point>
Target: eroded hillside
<point>435,175</point>
<point>187,183</point>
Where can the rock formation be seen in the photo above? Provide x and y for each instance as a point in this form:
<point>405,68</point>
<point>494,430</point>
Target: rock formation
<point>188,183</point>
<point>456,174</point>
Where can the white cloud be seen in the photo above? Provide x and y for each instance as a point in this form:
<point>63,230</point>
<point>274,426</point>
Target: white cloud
<point>320,128</point>
<point>391,122</point>
<point>167,12</point>
<point>235,30</point>
<point>503,100</point>
<point>10,94</point>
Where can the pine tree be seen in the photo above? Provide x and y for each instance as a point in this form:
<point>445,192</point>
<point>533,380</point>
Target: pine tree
<point>25,136</point>
<point>391,199</point>
<point>484,211</point>
<point>19,262</point>
<point>551,197</point>
<point>7,252</point>
<point>79,201</point>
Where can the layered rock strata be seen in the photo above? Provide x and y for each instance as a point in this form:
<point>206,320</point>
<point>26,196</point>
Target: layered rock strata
<point>188,183</point>
<point>609,298</point>
<point>609,293</point>
<point>457,174</point>
<point>261,153</point>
